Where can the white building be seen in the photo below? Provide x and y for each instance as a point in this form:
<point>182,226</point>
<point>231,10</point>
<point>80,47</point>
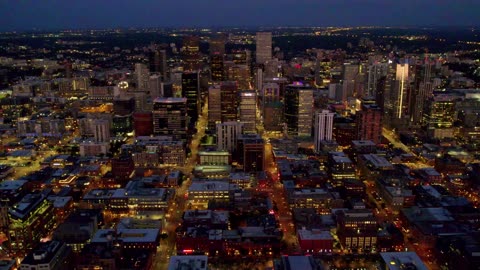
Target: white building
<point>101,130</point>
<point>323,127</point>
<point>248,110</point>
<point>227,135</point>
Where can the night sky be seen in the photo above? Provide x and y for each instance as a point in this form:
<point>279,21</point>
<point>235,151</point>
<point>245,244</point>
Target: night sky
<point>68,14</point>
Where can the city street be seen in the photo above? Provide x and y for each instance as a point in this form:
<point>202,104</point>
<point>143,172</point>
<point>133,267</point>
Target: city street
<point>179,205</point>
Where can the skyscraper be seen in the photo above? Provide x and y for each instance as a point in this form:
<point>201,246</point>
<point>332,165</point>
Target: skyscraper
<point>248,110</point>
<point>349,74</point>
<point>191,53</point>
<point>227,135</point>
<point>240,74</point>
<point>369,123</point>
<point>142,76</point>
<point>323,128</point>
<point>191,91</point>
<point>157,60</point>
<point>272,107</point>
<point>298,109</point>
<point>375,72</point>
<point>214,106</point>
<point>170,117</point>
<point>101,130</point>
<point>216,67</point>
<point>228,101</point>
<point>264,47</point>
<point>217,44</point>
<point>401,89</point>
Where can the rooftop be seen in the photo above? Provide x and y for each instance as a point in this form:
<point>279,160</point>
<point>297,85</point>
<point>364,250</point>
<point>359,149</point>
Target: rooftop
<point>191,262</point>
<point>314,235</point>
<point>403,260</point>
<point>12,184</point>
<point>43,254</point>
<point>127,235</point>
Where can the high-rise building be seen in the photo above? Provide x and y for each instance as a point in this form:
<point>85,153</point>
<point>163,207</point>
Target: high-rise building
<point>191,91</point>
<point>375,72</point>
<point>273,116</point>
<point>440,115</point>
<point>217,45</point>
<point>155,86</point>
<point>123,108</point>
<point>423,90</point>
<point>298,109</point>
<point>401,89</point>
<point>142,76</point>
<point>216,67</point>
<point>263,47</point>
<point>214,106</point>
<point>157,60</point>
<point>323,128</point>
<point>191,53</point>
<point>240,74</point>
<point>251,152</point>
<point>369,123</point>
<point>143,123</point>
<point>170,117</point>
<point>228,101</point>
<point>30,219</point>
<point>248,110</point>
<point>227,135</point>
<point>101,130</point>
<point>271,106</point>
<point>349,74</point>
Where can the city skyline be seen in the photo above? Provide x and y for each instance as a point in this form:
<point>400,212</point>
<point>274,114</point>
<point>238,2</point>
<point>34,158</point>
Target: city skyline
<point>54,15</point>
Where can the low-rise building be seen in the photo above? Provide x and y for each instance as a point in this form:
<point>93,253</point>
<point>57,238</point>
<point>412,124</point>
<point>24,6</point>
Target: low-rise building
<point>51,255</point>
<point>315,241</point>
<point>197,262</point>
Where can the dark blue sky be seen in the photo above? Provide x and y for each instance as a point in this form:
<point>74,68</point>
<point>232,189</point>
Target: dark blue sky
<point>63,14</point>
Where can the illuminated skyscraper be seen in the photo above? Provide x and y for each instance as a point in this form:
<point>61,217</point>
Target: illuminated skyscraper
<point>170,117</point>
<point>248,110</point>
<point>214,106</point>
<point>217,45</point>
<point>375,72</point>
<point>240,74</point>
<point>440,115</point>
<point>299,109</point>
<point>157,60</point>
<point>142,76</point>
<point>191,91</point>
<point>369,123</point>
<point>264,47</point>
<point>229,101</point>
<point>216,67</point>
<point>323,128</point>
<point>217,52</point>
<point>191,53</point>
<point>400,91</point>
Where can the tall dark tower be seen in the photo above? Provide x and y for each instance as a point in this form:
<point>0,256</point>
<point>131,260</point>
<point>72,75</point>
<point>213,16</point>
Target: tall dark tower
<point>217,52</point>
<point>369,123</point>
<point>170,117</point>
<point>216,67</point>
<point>228,101</point>
<point>157,60</point>
<point>217,45</point>
<point>191,53</point>
<point>191,91</point>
